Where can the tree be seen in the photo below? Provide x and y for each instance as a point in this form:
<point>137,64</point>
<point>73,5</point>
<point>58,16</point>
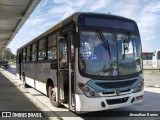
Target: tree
<point>13,58</point>
<point>7,55</point>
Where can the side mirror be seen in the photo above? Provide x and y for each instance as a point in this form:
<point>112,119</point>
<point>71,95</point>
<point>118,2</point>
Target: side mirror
<point>76,40</point>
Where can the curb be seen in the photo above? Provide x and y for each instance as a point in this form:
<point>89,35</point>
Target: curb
<point>152,86</point>
<point>150,69</point>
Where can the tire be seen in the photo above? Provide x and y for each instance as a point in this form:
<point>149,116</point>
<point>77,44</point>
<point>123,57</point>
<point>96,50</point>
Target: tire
<point>52,95</point>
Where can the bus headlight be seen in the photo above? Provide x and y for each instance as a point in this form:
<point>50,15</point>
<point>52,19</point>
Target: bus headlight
<point>139,87</point>
<point>88,91</point>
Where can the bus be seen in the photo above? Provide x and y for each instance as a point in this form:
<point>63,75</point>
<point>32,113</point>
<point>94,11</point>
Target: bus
<point>156,59</point>
<point>87,62</point>
<point>147,59</point>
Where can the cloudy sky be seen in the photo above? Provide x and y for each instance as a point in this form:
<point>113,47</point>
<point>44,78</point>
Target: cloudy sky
<point>49,12</point>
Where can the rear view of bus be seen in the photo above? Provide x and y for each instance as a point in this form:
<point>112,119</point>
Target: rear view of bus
<point>109,66</point>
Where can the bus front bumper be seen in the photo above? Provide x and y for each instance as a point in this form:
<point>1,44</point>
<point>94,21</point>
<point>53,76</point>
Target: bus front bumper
<point>85,104</point>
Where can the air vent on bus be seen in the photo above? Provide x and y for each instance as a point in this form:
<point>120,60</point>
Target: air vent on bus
<point>118,84</point>
<point>117,101</point>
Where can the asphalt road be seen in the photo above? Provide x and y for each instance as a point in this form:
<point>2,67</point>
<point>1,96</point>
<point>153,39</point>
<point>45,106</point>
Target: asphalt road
<point>150,103</point>
<point>152,78</point>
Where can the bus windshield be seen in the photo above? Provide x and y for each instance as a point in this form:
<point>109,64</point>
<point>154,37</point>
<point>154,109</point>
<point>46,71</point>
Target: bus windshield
<point>109,54</point>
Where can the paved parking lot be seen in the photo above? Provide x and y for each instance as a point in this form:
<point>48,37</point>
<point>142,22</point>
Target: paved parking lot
<point>152,78</point>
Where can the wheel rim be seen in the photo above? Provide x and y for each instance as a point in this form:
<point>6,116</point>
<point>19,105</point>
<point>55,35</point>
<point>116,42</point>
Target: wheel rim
<point>53,94</point>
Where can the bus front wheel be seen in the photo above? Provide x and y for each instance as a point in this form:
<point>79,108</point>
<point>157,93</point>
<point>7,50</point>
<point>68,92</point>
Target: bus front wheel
<point>52,96</point>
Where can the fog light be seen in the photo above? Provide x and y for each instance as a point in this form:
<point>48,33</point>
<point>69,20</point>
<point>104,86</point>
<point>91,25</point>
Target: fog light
<point>103,104</point>
<point>139,97</point>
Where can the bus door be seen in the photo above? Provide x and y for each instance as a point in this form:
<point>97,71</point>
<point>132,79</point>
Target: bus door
<point>63,81</point>
<point>66,71</point>
<point>71,73</point>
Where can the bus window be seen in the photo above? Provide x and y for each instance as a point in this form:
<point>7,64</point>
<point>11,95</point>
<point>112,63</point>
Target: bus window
<point>28,54</point>
<point>24,55</point>
<point>129,58</point>
<point>52,49</point>
<point>42,50</point>
<point>63,51</point>
<point>150,55</point>
<point>34,52</point>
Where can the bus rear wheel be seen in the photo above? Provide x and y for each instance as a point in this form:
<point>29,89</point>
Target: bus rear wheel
<point>52,96</point>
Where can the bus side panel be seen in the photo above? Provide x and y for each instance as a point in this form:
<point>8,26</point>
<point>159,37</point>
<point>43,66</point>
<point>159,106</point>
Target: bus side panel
<point>33,73</point>
<point>43,73</point>
<point>27,72</point>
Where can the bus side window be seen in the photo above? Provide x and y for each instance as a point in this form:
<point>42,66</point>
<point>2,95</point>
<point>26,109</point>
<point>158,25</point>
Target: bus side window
<point>28,56</point>
<point>42,50</point>
<point>34,52</point>
<point>51,48</point>
<point>24,55</point>
<point>63,51</point>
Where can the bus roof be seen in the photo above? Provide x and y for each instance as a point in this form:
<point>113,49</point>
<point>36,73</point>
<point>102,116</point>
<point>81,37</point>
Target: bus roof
<point>72,18</point>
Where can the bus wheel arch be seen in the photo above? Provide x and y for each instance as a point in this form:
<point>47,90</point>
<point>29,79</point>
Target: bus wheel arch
<point>51,93</point>
<point>49,81</point>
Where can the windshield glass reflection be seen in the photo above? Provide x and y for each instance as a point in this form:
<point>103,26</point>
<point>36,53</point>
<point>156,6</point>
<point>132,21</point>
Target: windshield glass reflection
<point>95,57</point>
<point>99,56</point>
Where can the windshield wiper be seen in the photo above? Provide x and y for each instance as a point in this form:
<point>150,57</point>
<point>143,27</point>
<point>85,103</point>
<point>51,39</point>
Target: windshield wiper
<point>104,42</point>
<point>126,43</point>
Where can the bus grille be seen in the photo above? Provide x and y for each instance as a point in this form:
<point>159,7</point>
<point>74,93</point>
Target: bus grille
<point>115,84</point>
<point>117,101</point>
<point>122,91</point>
